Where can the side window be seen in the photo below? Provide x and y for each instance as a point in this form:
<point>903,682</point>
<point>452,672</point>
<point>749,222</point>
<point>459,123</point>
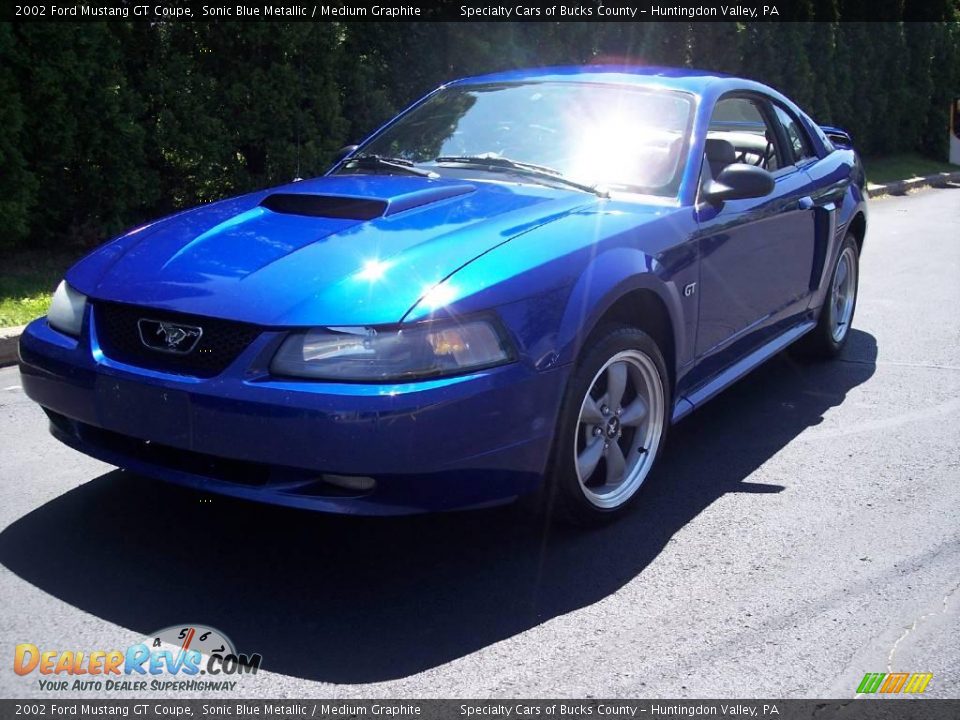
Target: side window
<point>796,136</point>
<point>739,132</point>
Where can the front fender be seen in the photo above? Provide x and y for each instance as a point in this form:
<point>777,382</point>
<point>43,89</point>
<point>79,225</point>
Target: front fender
<point>609,277</point>
<point>551,285</point>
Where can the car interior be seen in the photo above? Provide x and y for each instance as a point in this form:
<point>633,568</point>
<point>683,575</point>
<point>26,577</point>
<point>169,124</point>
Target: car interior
<point>739,133</point>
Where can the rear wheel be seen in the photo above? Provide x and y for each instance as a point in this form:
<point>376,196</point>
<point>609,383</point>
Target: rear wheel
<point>612,426</point>
<point>827,339</point>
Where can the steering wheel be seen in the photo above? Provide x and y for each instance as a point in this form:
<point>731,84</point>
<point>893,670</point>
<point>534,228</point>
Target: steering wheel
<point>766,156</point>
<point>762,158</point>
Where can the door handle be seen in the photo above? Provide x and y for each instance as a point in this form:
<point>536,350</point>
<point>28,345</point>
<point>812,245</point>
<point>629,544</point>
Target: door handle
<point>805,203</point>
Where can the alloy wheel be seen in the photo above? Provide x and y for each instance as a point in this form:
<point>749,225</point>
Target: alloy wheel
<point>619,429</point>
<point>843,294</point>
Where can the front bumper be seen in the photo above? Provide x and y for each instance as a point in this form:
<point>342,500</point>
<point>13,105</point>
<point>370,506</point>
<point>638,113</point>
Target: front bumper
<point>469,441</point>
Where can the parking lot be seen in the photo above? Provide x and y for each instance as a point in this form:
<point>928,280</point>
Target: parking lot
<point>801,531</point>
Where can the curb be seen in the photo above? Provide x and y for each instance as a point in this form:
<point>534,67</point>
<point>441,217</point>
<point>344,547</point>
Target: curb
<point>901,187</point>
<point>10,337</point>
<point>9,340</point>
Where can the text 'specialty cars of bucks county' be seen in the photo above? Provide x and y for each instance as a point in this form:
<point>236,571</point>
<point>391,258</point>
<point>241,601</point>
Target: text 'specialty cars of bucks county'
<point>510,290</point>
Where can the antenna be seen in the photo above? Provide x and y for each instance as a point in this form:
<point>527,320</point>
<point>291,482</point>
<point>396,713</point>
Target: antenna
<point>296,177</point>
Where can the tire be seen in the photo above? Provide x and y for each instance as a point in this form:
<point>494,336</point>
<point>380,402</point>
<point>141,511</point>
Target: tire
<point>598,467</point>
<point>829,337</point>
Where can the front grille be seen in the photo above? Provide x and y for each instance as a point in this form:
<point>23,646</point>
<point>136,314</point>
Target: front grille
<point>219,345</point>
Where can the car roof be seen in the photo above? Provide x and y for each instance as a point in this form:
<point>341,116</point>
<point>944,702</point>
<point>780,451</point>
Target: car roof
<point>687,79</point>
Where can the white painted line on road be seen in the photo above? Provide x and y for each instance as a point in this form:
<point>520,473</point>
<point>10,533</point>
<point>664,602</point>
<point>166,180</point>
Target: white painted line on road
<point>13,387</point>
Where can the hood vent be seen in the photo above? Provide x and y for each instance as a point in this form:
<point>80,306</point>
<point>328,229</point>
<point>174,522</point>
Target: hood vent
<point>327,206</point>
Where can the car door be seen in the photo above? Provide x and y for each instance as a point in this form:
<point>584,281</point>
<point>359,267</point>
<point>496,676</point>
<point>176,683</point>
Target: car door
<point>756,255</point>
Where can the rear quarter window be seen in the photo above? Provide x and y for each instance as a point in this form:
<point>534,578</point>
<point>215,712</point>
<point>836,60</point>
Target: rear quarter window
<point>797,139</point>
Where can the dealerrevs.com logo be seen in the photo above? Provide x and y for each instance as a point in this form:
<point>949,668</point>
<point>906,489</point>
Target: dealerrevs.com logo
<point>179,658</point>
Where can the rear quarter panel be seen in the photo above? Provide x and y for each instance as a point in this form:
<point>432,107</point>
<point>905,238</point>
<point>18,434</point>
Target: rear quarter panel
<point>840,196</point>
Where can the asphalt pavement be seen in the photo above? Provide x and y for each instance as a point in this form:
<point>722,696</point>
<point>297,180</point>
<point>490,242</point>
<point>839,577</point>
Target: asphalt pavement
<point>802,530</point>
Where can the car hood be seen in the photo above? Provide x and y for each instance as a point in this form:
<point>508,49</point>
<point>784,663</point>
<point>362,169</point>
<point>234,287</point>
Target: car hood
<point>339,250</point>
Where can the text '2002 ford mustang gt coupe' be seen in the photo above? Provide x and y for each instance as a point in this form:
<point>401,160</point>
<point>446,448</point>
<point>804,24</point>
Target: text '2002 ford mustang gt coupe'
<point>511,289</point>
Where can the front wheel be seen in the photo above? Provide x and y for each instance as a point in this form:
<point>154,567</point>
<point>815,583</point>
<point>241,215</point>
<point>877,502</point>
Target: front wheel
<point>612,426</point>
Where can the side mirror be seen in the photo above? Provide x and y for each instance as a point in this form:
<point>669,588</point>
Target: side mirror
<point>343,152</point>
<point>739,181</point>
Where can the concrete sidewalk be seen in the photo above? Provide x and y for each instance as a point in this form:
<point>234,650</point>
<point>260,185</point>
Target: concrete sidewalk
<point>9,337</point>
<point>901,187</point>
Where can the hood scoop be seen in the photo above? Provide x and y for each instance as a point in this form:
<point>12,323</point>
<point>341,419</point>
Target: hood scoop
<point>344,207</point>
<point>326,206</point>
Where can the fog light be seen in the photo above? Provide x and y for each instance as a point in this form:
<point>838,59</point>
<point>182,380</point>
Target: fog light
<point>351,482</point>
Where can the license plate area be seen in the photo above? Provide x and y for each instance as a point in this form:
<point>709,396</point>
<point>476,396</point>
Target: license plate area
<point>144,411</point>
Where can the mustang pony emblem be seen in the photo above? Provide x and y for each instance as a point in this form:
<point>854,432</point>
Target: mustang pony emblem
<point>169,337</point>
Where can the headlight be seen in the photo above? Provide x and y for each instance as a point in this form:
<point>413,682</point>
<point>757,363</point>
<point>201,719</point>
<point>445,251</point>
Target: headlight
<point>369,355</point>
<point>66,309</point>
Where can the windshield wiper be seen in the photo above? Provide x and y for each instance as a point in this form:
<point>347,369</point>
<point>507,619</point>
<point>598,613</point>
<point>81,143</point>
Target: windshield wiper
<point>542,171</point>
<point>389,163</point>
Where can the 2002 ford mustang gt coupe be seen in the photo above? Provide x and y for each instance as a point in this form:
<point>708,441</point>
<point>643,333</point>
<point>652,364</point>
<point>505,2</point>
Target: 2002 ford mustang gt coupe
<point>511,289</point>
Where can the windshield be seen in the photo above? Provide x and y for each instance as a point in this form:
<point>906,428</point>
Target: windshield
<point>614,137</point>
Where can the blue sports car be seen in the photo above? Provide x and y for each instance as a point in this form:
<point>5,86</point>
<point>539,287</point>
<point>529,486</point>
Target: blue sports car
<point>511,289</point>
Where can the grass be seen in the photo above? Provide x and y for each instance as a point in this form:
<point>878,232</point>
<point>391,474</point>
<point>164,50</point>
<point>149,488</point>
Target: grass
<point>27,281</point>
<point>903,167</point>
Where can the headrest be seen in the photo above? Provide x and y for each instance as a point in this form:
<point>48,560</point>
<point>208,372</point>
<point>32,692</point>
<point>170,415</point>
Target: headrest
<point>720,151</point>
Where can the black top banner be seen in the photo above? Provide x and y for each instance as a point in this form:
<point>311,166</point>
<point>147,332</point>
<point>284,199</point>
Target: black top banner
<point>483,10</point>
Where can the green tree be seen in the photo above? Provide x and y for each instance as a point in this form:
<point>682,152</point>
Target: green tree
<point>17,184</point>
<point>105,124</point>
<point>85,145</point>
